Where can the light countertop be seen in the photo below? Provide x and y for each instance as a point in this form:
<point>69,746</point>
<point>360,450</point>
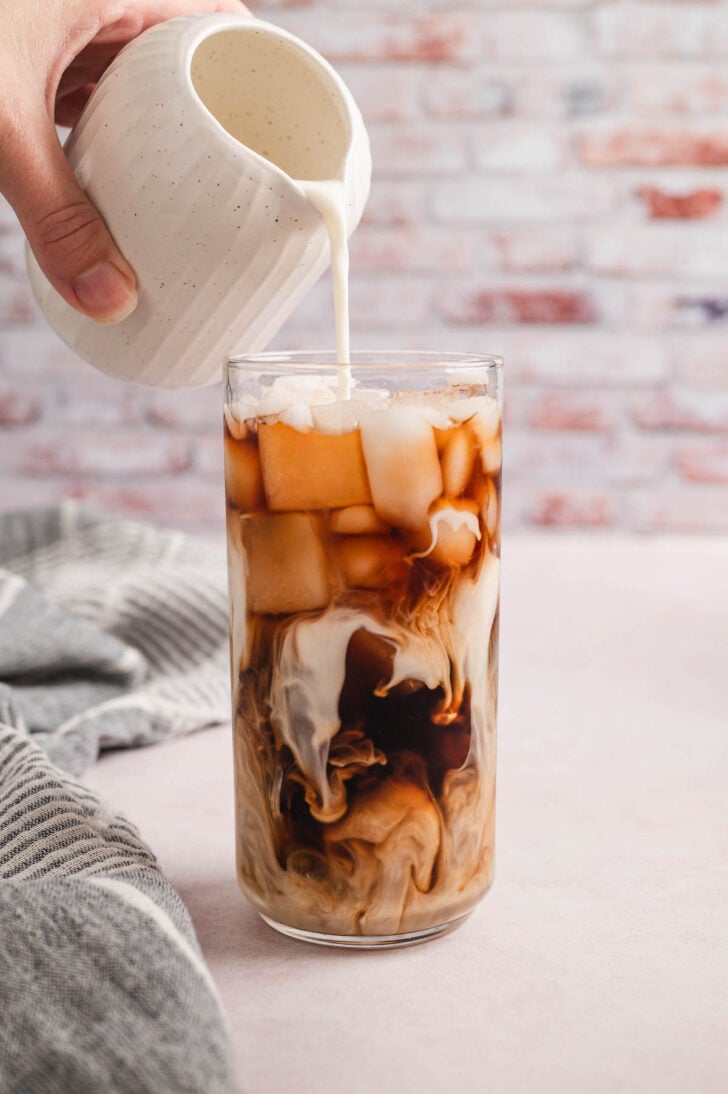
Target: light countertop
<point>599,961</point>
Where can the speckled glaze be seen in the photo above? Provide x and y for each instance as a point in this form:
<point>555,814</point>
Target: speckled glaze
<point>223,241</point>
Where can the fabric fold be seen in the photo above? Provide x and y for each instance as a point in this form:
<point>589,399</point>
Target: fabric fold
<point>112,634</point>
<point>102,984</point>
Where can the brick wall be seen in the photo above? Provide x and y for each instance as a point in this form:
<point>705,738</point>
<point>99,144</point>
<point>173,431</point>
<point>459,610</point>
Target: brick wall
<point>551,184</point>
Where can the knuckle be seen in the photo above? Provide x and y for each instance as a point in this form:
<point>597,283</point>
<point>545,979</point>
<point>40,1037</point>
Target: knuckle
<point>70,227</point>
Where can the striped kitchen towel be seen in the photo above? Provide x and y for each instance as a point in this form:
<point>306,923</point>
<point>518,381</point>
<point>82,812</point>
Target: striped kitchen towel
<point>111,634</point>
<point>102,986</point>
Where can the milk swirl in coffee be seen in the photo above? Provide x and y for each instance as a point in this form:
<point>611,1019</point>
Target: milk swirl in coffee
<point>363,530</point>
<point>364,563</point>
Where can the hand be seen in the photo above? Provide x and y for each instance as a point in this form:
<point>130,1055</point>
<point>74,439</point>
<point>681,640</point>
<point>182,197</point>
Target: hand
<point>52,53</point>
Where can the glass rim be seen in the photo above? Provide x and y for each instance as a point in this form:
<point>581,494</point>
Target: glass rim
<point>362,361</point>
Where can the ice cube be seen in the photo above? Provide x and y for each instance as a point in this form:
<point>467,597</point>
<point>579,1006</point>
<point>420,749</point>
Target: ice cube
<point>243,479</point>
<point>493,519</point>
<point>238,598</point>
<point>372,396</point>
<point>370,562</point>
<point>312,470</point>
<point>236,416</point>
<point>455,545</point>
<point>442,436</point>
<point>298,416</point>
<point>403,466</point>
<point>357,520</point>
<point>427,405</point>
<point>474,607</point>
<point>343,416</point>
<point>486,495</point>
<point>460,410</point>
<point>492,457</point>
<point>451,535</point>
<point>287,391</point>
<point>458,460</point>
<point>434,414</point>
<point>469,378</point>
<point>486,428</point>
<point>286,563</point>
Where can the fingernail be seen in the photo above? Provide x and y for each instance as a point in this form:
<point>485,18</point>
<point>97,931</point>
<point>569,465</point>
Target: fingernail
<point>104,291</point>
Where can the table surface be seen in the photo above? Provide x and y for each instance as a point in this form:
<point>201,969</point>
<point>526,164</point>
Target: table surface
<point>599,961</point>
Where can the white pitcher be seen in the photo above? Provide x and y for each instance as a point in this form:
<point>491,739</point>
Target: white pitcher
<point>190,147</point>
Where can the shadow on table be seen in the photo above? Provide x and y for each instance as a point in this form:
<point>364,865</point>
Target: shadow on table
<point>231,932</point>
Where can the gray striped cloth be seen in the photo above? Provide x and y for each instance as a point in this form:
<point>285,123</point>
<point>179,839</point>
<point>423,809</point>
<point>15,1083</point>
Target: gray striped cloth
<point>111,635</point>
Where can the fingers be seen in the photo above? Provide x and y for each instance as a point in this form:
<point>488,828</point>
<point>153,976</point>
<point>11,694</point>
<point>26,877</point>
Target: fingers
<point>92,61</point>
<point>86,69</point>
<point>142,14</point>
<point>68,237</point>
<point>70,106</point>
<point>89,66</point>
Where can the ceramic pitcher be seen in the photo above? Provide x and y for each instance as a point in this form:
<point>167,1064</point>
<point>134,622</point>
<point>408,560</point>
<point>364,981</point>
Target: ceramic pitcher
<point>190,147</point>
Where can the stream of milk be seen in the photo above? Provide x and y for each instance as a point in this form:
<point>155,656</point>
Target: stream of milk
<point>329,198</point>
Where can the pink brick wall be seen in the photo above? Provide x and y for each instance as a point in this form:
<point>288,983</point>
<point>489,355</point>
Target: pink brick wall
<point>551,184</point>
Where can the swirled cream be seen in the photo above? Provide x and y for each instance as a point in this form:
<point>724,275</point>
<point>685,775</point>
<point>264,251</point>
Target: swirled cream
<point>365,577</point>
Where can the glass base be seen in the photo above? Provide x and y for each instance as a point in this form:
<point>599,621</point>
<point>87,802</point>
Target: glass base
<point>366,941</point>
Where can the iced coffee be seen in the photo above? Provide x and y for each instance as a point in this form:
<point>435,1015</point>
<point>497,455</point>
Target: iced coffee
<point>363,545</point>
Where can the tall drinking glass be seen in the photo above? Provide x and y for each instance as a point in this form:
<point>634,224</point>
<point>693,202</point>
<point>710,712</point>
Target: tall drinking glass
<point>363,518</point>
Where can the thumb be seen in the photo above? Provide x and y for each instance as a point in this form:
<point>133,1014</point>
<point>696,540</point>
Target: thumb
<point>72,244</point>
